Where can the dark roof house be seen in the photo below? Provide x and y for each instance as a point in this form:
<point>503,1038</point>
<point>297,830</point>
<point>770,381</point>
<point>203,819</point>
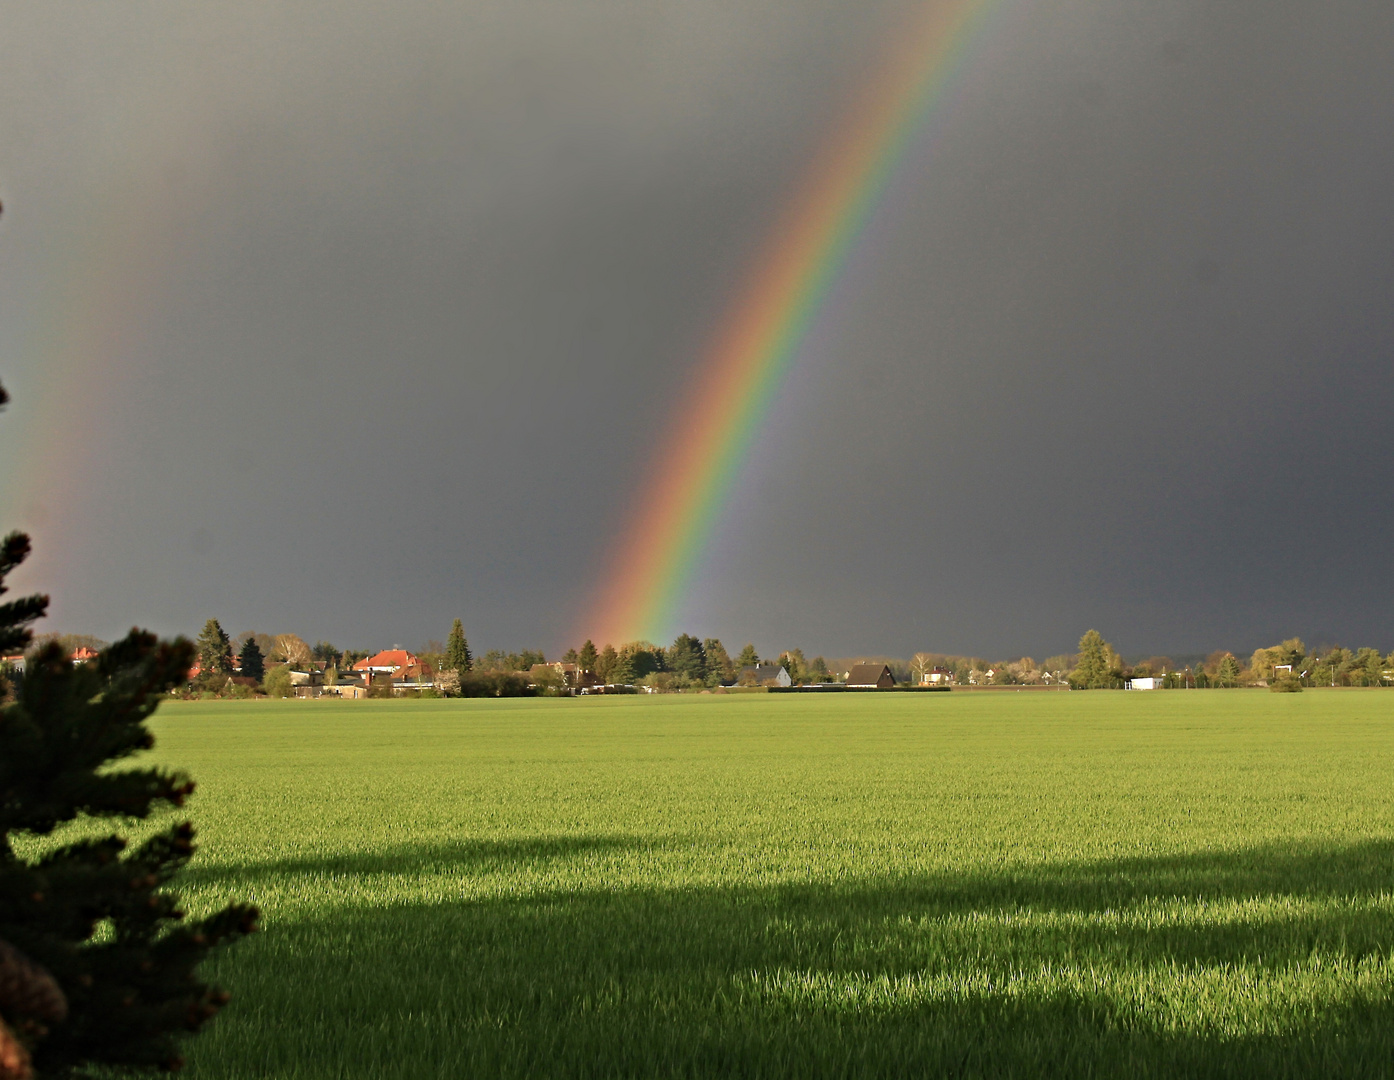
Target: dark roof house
<point>870,675</point>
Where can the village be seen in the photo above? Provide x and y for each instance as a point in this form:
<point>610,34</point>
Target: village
<point>400,673</point>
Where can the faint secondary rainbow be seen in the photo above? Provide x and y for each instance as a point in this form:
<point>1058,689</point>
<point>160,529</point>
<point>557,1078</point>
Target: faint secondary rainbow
<point>724,411</point>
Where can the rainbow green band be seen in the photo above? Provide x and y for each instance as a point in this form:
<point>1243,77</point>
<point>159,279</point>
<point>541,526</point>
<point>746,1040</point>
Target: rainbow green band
<point>697,473</point>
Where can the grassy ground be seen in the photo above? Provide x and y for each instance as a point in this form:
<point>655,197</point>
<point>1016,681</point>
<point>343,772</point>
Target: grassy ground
<point>961,884</point>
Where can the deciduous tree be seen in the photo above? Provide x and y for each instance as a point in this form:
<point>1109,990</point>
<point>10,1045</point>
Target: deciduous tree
<point>644,658</point>
<point>1099,666</point>
<point>292,649</point>
<point>277,683</point>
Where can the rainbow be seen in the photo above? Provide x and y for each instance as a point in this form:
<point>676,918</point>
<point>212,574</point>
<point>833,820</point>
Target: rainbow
<point>81,345</point>
<point>725,409</point>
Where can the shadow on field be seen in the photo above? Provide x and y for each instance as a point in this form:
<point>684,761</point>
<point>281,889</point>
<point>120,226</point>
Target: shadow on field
<point>1137,967</point>
<point>463,856</point>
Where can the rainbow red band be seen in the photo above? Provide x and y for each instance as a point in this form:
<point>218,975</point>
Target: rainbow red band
<point>696,473</point>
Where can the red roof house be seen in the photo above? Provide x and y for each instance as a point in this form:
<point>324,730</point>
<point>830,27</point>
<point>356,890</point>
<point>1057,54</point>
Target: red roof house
<point>388,660</point>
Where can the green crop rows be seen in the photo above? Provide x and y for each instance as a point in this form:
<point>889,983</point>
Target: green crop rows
<point>1178,883</point>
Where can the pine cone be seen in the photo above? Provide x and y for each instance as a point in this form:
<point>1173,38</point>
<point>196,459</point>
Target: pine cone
<point>28,990</point>
<point>14,1059</point>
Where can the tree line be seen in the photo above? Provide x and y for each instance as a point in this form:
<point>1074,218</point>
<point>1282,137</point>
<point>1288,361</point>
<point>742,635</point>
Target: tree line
<point>257,662</point>
<point>266,663</point>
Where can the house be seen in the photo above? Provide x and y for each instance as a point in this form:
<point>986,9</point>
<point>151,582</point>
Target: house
<point>14,663</point>
<point>82,654</point>
<point>398,665</point>
<point>386,662</point>
<point>764,675</point>
<point>571,676</point>
<point>870,676</point>
<point>937,677</point>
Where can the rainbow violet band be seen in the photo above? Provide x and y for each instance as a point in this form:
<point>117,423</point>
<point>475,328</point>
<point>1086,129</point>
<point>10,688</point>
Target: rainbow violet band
<point>695,474</point>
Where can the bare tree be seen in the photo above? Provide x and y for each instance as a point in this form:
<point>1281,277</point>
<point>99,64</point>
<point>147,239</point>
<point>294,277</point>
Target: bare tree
<point>921,664</point>
<point>292,649</point>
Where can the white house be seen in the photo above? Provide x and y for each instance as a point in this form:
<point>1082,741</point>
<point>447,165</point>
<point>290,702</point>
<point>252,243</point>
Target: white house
<point>763,674</point>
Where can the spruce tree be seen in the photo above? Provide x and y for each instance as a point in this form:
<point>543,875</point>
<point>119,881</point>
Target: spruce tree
<point>97,963</point>
<point>687,659</point>
<point>623,672</point>
<point>214,653</point>
<point>605,663</point>
<point>587,657</point>
<point>719,666</point>
<point>253,663</point>
<point>748,657</point>
<point>457,650</point>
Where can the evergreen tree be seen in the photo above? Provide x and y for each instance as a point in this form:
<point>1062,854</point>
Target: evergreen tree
<point>587,657</point>
<point>570,657</point>
<point>687,659</point>
<point>1228,675</point>
<point>605,663</point>
<point>748,657</point>
<point>719,667</point>
<point>324,652</point>
<point>623,672</point>
<point>214,653</point>
<point>88,927</point>
<point>253,663</point>
<point>818,670</point>
<point>457,650</point>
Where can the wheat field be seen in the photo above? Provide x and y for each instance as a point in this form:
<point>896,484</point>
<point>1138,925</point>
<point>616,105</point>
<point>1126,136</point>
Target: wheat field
<point>965,884</point>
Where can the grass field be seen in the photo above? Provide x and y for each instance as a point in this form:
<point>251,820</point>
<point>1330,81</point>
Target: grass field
<point>960,884</point>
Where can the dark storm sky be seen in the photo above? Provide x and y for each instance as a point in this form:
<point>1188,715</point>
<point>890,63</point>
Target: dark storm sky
<point>347,319</point>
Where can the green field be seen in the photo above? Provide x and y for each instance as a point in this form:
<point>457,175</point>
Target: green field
<point>1183,883</point>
